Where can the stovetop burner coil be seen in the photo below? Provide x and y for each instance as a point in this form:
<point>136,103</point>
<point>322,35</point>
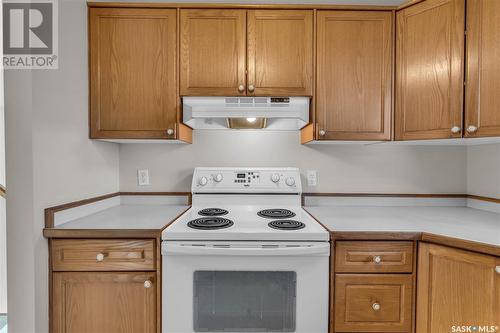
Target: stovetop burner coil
<point>213,212</point>
<point>276,213</point>
<point>286,225</point>
<point>210,223</point>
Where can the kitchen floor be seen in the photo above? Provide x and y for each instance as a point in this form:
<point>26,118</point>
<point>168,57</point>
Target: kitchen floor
<point>3,323</point>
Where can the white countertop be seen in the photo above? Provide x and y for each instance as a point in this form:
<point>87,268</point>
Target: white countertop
<point>458,222</point>
<point>128,217</point>
<point>139,212</point>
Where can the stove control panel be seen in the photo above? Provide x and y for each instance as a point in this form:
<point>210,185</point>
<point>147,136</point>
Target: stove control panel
<point>246,180</point>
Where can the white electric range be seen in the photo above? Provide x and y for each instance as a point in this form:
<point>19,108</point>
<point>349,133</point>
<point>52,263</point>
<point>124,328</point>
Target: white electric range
<point>246,257</point>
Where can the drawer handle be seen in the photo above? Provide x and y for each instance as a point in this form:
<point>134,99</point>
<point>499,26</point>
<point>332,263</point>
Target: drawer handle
<point>148,284</point>
<point>100,257</point>
<point>376,306</point>
<point>497,269</point>
<point>377,259</point>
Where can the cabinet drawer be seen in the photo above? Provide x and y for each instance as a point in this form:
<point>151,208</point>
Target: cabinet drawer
<point>373,302</point>
<point>102,255</point>
<point>374,257</point>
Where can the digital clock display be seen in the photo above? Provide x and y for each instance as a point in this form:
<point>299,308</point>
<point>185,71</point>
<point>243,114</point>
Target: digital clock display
<point>240,175</point>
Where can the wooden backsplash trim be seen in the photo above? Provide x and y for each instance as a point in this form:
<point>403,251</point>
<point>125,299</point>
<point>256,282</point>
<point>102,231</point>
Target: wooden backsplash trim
<point>482,198</point>
<point>50,212</point>
<point>401,195</point>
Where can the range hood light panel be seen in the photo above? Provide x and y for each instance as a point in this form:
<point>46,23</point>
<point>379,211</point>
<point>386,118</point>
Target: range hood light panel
<point>246,123</point>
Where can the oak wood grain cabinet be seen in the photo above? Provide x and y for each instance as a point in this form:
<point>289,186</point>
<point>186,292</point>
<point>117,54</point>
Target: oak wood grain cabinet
<point>133,74</point>
<point>354,75</point>
<point>456,287</point>
<point>429,70</point>
<point>105,285</point>
<point>373,302</point>
<point>373,286</point>
<point>212,52</point>
<point>231,52</point>
<point>280,52</point>
<point>482,100</point>
<point>116,302</point>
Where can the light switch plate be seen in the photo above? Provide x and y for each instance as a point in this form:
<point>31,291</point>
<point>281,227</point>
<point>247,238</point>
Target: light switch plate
<point>143,177</point>
<point>312,177</point>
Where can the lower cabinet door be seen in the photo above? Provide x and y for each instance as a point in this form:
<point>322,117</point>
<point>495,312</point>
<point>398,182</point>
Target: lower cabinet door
<point>103,302</point>
<point>373,302</point>
<point>458,291</point>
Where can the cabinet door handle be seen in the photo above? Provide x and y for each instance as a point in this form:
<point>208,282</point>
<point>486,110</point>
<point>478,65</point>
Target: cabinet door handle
<point>170,131</point>
<point>471,129</point>
<point>99,257</point>
<point>251,88</point>
<point>455,129</point>
<point>377,259</point>
<point>148,284</point>
<point>322,132</point>
<point>376,306</point>
<point>241,88</point>
<point>497,269</point>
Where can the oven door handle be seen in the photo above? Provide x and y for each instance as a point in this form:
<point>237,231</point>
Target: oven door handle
<point>319,249</point>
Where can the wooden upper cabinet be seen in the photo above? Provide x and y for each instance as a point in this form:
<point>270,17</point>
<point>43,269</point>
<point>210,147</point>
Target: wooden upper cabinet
<point>104,302</point>
<point>482,111</point>
<point>429,70</point>
<point>456,287</point>
<point>280,52</point>
<point>354,75</point>
<point>212,52</point>
<point>133,79</point>
<point>226,52</point>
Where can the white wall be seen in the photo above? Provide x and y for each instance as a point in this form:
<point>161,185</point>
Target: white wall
<point>3,258</point>
<point>483,170</point>
<point>50,161</point>
<point>3,227</point>
<point>376,168</point>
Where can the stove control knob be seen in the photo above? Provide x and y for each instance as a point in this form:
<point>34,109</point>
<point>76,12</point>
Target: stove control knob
<point>275,177</point>
<point>218,177</point>
<point>290,181</point>
<point>203,181</point>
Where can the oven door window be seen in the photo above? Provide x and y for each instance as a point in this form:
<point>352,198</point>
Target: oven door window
<point>244,301</point>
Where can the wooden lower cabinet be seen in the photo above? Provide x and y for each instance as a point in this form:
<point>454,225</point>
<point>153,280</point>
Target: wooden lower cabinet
<point>456,288</point>
<point>373,286</point>
<point>373,302</point>
<point>98,302</point>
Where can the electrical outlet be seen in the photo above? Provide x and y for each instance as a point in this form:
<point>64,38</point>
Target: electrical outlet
<point>312,177</point>
<point>143,177</point>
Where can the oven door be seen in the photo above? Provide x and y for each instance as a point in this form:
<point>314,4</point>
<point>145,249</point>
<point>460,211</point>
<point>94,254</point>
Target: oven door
<point>245,287</point>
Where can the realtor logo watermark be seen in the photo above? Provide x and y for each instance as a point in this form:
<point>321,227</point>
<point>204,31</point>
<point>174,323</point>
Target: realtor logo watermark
<point>30,34</point>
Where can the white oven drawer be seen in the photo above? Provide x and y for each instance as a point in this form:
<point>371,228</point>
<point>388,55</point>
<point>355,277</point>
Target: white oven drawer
<point>245,287</point>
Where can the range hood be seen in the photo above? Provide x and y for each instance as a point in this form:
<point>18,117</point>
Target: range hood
<point>271,113</point>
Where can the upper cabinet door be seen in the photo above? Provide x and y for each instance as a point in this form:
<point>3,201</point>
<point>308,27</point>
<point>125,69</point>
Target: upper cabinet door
<point>482,112</point>
<point>354,70</point>
<point>280,52</point>
<point>212,52</point>
<point>429,70</point>
<point>133,79</point>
